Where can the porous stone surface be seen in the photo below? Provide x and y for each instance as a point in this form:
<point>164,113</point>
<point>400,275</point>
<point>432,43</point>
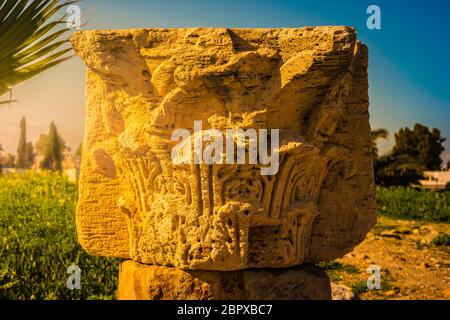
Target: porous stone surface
<point>143,282</point>
<point>310,83</point>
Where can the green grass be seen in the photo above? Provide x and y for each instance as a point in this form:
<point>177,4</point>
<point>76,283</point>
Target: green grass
<point>359,287</point>
<point>334,265</point>
<point>414,204</point>
<point>38,242</point>
<point>336,269</point>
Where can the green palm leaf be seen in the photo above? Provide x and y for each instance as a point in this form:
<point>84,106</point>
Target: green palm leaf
<point>29,39</point>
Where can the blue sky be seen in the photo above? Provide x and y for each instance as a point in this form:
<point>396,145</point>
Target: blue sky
<point>409,70</point>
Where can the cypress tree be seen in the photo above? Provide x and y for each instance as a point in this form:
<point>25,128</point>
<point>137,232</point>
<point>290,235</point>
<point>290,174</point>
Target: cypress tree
<point>53,153</point>
<point>29,155</point>
<point>21,162</point>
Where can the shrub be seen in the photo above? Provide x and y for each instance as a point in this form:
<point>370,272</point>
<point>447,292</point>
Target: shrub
<point>38,242</point>
<point>360,287</point>
<point>442,240</point>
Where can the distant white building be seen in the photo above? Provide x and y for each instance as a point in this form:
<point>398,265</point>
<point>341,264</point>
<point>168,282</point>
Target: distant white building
<point>435,179</point>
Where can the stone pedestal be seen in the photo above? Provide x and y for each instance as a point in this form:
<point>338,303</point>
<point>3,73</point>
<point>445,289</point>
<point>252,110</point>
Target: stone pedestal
<point>144,282</point>
<point>195,229</point>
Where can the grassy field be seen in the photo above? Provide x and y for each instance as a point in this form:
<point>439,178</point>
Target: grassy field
<point>38,242</point>
<point>414,204</point>
<point>38,237</point>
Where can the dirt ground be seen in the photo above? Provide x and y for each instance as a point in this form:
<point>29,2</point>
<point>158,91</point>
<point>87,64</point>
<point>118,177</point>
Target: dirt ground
<point>413,265</point>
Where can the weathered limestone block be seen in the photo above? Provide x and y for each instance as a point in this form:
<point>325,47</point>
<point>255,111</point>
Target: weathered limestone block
<point>143,282</point>
<point>310,83</point>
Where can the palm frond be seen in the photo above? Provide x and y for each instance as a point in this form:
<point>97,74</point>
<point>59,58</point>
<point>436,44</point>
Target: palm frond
<point>30,39</point>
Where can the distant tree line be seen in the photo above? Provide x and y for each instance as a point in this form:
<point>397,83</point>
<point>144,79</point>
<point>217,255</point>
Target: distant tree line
<point>50,147</point>
<point>414,152</point>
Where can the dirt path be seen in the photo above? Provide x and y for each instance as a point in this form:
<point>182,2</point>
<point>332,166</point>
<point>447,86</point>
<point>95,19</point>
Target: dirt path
<point>412,266</point>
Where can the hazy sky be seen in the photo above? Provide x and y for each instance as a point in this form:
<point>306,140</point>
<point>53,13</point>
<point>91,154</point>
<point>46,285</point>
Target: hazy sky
<point>409,70</point>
